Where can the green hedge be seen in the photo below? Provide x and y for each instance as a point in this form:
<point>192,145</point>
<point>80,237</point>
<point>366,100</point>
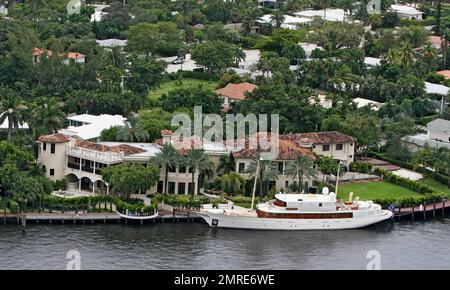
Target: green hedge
<point>13,206</point>
<point>361,167</point>
<point>430,195</point>
<point>435,175</point>
<point>186,201</point>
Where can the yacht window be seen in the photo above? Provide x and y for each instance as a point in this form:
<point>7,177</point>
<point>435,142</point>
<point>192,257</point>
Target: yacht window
<point>320,204</point>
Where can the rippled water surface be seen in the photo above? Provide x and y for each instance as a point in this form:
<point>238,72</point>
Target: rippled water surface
<point>402,245</point>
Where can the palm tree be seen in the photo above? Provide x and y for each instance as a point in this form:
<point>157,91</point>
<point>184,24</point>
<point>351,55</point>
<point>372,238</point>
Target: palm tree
<point>277,18</point>
<point>226,165</point>
<point>407,54</point>
<point>343,76</point>
<point>167,158</point>
<point>445,41</point>
<point>114,56</point>
<point>347,5</point>
<point>12,108</point>
<point>199,163</point>
<point>232,182</point>
<point>301,166</point>
<point>393,56</point>
<point>132,130</point>
<point>48,116</point>
<point>429,54</point>
<point>267,172</point>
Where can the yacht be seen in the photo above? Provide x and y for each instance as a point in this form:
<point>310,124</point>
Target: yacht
<point>297,212</point>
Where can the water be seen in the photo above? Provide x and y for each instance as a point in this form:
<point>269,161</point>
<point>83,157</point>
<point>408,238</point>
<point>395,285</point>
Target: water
<point>402,245</point>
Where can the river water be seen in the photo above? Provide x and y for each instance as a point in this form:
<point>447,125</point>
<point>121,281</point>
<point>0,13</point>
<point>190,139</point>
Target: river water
<point>401,245</point>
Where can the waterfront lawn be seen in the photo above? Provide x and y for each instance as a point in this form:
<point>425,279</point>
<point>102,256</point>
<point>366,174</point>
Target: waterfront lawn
<point>185,83</point>
<point>437,185</point>
<point>374,190</point>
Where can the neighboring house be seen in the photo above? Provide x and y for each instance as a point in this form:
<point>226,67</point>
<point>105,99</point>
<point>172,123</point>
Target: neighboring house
<point>445,73</point>
<point>76,57</point>
<point>406,12</point>
<point>333,144</point>
<point>322,100</point>
<point>81,162</point>
<point>5,125</point>
<point>3,10</point>
<point>109,43</point>
<point>290,22</point>
<point>332,15</point>
<point>436,89</point>
<point>361,102</point>
<point>73,7</point>
<point>89,127</point>
<point>437,136</point>
<point>309,48</point>
<point>371,62</point>
<point>234,93</point>
<point>436,41</point>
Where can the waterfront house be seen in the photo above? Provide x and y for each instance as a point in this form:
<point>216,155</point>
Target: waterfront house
<point>336,145</point>
<point>437,136</point>
<point>39,53</point>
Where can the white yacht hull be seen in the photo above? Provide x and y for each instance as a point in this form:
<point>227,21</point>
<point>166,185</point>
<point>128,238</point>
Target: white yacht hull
<point>221,220</point>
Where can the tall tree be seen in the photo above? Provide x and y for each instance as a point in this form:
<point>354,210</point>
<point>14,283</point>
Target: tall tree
<point>47,116</point>
<point>132,130</point>
<point>266,173</point>
<point>301,167</point>
<point>167,158</point>
<point>12,109</point>
<point>199,163</point>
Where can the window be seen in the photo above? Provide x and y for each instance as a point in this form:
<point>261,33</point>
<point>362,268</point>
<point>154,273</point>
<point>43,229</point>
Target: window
<point>44,146</point>
<point>190,187</point>
<point>286,184</point>
<point>339,146</point>
<point>241,167</point>
<point>171,187</point>
<point>326,148</point>
<point>280,167</point>
<point>172,169</point>
<point>160,186</point>
<point>351,144</point>
<point>320,204</point>
<point>182,169</point>
<point>52,148</point>
<point>52,172</point>
<point>181,188</point>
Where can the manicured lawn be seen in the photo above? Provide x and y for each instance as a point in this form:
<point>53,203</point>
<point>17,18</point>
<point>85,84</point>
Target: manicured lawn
<point>374,190</point>
<point>185,83</point>
<point>436,184</point>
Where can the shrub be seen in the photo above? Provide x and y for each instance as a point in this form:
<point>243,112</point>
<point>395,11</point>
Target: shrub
<point>13,206</point>
<point>361,167</point>
<point>60,184</point>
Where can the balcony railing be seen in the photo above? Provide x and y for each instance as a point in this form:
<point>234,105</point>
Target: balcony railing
<point>106,157</point>
<point>87,169</point>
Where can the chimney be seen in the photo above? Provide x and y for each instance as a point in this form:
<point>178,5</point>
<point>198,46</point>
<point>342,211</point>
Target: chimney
<point>166,136</point>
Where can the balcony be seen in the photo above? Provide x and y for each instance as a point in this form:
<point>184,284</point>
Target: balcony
<point>104,157</point>
<point>87,169</point>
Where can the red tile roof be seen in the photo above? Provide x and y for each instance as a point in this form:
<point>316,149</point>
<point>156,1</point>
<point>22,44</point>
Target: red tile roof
<point>166,132</point>
<point>39,51</point>
<point>122,148</point>
<point>54,138</point>
<point>75,55</point>
<point>236,91</point>
<point>445,73</point>
<point>322,137</point>
<point>288,150</point>
<point>436,40</point>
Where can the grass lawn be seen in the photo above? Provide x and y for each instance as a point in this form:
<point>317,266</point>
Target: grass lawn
<point>437,185</point>
<point>185,83</point>
<point>374,190</point>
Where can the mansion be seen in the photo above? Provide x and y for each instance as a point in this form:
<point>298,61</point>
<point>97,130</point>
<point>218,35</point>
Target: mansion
<point>81,161</point>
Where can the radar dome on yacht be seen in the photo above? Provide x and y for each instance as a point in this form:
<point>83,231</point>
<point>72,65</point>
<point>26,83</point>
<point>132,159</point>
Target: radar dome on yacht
<point>325,191</point>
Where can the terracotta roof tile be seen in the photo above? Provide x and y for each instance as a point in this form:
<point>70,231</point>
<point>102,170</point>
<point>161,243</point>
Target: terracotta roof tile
<point>445,73</point>
<point>322,137</point>
<point>436,40</point>
<point>122,148</point>
<point>236,91</point>
<point>288,149</point>
<point>54,138</point>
